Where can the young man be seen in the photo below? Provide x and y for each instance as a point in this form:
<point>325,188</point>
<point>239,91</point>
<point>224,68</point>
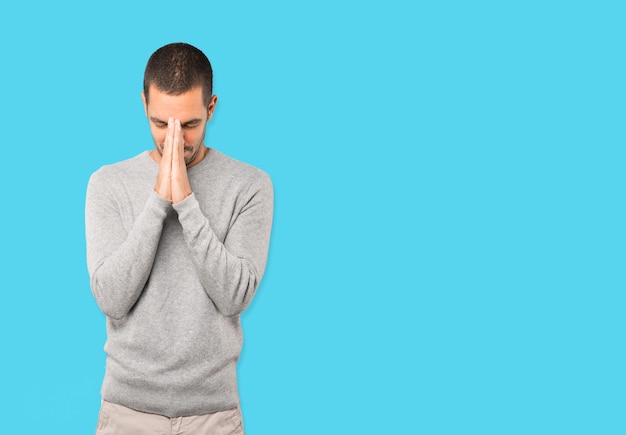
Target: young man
<point>177,242</point>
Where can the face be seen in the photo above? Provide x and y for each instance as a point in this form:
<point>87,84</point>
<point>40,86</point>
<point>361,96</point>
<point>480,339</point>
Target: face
<point>189,108</point>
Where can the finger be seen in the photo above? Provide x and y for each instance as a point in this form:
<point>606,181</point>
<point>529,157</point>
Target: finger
<point>177,147</point>
<point>181,143</point>
<point>164,178</point>
<point>167,152</point>
<point>167,146</point>
<point>180,182</point>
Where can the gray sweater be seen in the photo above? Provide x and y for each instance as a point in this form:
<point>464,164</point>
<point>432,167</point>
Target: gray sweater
<point>173,279</point>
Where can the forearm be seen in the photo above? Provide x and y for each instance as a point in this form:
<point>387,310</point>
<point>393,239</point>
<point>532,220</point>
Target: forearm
<point>231,271</point>
<point>120,260</point>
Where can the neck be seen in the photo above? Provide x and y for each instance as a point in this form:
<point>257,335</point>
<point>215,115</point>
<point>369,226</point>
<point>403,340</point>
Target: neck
<point>202,152</point>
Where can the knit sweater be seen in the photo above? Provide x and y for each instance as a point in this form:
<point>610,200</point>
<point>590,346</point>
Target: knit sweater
<point>172,280</point>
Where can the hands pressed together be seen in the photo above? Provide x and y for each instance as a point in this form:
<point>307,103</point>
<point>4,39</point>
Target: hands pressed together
<point>172,182</point>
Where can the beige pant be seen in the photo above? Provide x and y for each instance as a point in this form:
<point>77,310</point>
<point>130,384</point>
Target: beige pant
<point>119,420</point>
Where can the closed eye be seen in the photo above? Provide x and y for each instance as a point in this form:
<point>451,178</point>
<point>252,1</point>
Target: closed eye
<point>158,123</point>
<point>191,124</point>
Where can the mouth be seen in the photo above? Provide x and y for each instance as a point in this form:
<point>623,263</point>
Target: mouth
<point>186,148</point>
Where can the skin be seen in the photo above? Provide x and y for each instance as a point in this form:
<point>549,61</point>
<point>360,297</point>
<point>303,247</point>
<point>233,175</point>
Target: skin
<point>178,127</point>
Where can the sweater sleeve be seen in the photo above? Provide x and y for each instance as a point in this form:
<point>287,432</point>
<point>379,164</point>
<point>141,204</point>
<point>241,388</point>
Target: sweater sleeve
<point>230,272</point>
<point>119,259</point>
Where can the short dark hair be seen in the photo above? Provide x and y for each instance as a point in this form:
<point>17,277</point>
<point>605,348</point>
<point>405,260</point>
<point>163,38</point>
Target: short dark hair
<point>177,68</point>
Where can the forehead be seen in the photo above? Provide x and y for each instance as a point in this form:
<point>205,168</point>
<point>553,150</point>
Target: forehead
<point>188,104</point>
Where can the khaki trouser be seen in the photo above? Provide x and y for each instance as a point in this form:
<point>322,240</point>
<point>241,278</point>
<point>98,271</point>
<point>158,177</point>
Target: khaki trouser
<point>119,420</point>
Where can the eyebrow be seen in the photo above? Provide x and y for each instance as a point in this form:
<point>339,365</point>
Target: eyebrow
<point>186,124</point>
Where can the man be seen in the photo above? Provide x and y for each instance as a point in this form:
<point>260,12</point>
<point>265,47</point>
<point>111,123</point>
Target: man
<point>177,242</point>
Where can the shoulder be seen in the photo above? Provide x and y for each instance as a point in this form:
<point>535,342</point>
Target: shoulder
<point>112,173</point>
<point>236,172</point>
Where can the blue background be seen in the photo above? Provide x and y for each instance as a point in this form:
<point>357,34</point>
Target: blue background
<point>448,247</point>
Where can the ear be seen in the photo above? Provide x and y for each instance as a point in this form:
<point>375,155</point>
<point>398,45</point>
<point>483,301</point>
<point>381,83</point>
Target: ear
<point>145,105</point>
<point>211,108</point>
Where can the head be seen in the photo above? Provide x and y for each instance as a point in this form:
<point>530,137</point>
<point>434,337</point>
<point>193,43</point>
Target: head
<point>178,83</point>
